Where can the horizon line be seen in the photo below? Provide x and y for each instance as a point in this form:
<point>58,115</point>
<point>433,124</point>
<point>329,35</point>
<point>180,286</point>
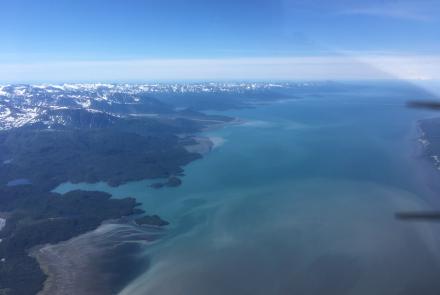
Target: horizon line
<point>328,67</point>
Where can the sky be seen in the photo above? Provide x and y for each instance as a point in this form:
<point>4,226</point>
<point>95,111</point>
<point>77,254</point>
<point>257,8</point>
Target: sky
<point>115,40</point>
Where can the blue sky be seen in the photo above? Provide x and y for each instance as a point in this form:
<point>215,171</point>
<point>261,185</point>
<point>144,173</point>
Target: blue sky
<point>41,38</point>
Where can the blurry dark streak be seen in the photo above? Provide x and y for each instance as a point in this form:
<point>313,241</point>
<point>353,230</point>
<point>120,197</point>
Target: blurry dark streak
<point>422,216</point>
<point>431,105</point>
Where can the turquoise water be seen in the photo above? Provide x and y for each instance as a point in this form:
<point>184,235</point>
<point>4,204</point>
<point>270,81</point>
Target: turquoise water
<point>300,199</point>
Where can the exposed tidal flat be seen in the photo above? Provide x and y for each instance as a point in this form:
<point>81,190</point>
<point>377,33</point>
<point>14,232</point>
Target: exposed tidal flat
<point>91,263</point>
<point>300,199</point>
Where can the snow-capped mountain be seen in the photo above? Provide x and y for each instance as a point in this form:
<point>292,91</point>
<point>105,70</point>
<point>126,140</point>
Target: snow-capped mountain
<point>24,104</point>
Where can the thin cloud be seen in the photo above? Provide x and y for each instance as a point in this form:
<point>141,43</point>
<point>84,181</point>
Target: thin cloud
<point>423,11</point>
<point>420,10</point>
<point>380,12</point>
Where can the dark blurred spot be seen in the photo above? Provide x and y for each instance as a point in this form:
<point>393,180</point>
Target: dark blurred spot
<point>428,216</point>
<point>430,105</point>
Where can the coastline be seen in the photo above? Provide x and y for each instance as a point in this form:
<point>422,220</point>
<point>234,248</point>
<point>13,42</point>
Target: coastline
<point>2,223</point>
<point>75,266</point>
<point>202,145</point>
<point>426,140</point>
<point>72,267</point>
<point>426,170</point>
<point>3,219</point>
<point>206,143</point>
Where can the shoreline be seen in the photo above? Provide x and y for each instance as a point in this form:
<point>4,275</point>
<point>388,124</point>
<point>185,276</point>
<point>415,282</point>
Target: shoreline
<point>426,170</point>
<point>3,217</point>
<point>202,146</point>
<point>71,269</point>
<point>426,142</point>
<point>68,275</point>
<point>2,223</point>
<point>205,144</point>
